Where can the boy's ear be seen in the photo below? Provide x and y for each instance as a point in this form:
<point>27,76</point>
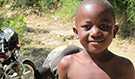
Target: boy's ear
<point>75,31</point>
<point>116,28</point>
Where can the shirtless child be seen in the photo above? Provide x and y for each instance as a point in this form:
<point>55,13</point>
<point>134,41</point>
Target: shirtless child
<point>95,27</point>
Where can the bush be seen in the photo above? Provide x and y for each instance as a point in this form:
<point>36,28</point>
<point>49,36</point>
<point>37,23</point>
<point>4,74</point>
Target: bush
<point>18,23</point>
<point>67,9</point>
<point>131,10</point>
<point>125,16</point>
<point>3,2</point>
<point>48,4</point>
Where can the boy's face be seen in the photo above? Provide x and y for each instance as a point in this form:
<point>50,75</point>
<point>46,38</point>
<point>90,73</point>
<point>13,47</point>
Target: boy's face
<point>95,27</point>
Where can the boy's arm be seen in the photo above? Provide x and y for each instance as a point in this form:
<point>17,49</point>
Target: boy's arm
<point>127,69</point>
<point>130,71</point>
<point>63,68</point>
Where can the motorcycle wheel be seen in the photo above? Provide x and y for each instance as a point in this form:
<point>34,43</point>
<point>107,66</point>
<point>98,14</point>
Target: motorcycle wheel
<point>29,70</point>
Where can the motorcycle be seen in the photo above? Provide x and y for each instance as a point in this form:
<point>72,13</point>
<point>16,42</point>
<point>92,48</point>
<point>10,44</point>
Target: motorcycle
<point>12,64</point>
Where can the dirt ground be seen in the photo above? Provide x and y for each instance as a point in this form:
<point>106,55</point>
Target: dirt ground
<point>44,34</point>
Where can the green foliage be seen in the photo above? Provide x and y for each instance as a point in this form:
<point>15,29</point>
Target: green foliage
<point>19,3</point>
<point>63,8</point>
<point>46,4</point>
<point>3,2</point>
<point>67,9</point>
<point>27,7</point>
<point>18,23</point>
<point>131,10</point>
<point>125,15</point>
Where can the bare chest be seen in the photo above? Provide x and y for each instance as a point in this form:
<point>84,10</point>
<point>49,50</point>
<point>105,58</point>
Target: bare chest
<point>80,70</point>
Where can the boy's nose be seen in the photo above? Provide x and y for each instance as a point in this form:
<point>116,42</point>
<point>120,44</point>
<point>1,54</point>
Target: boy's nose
<point>95,32</point>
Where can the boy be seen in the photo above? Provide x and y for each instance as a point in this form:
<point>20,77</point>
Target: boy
<point>95,27</point>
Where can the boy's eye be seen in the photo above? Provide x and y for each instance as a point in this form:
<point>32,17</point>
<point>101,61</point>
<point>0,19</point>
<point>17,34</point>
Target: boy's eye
<point>104,27</point>
<point>86,27</point>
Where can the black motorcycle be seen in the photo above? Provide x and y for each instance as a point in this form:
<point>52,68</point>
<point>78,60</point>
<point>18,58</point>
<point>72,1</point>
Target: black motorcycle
<point>12,65</point>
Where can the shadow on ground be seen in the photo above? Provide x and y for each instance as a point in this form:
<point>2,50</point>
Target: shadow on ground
<point>36,55</point>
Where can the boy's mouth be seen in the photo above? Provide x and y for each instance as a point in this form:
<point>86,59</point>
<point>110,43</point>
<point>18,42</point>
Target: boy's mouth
<point>97,41</point>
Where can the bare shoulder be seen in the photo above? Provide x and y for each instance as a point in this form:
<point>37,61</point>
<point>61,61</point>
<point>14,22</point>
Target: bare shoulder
<point>65,61</point>
<point>125,66</point>
<point>63,66</point>
<point>123,61</point>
